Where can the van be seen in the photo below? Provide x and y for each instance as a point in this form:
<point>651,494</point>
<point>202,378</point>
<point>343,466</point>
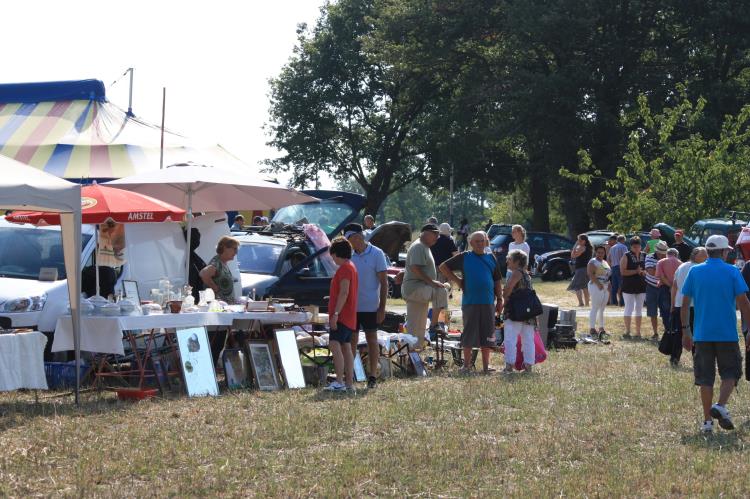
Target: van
<point>152,251</point>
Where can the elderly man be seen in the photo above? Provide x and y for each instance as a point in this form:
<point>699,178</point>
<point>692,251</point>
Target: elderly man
<point>420,286</point>
<point>716,288</point>
<point>371,294</point>
<point>482,283</point>
<point>614,255</point>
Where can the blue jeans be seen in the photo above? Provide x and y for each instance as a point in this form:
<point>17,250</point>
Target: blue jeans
<point>616,281</point>
<point>665,306</point>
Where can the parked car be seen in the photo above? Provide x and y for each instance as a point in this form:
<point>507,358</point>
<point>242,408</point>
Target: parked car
<point>497,229</point>
<point>539,243</point>
<point>280,261</point>
<point>555,265</point>
<point>728,225</point>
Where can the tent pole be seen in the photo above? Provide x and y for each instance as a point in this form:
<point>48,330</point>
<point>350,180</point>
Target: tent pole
<point>163,111</point>
<point>96,262</point>
<point>130,94</point>
<point>189,216</point>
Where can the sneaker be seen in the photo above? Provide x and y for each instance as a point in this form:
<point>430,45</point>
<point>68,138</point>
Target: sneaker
<point>465,371</point>
<point>350,390</point>
<point>707,427</point>
<point>335,387</point>
<point>722,414</point>
<point>371,382</point>
<point>674,362</point>
<point>627,336</point>
<point>655,337</point>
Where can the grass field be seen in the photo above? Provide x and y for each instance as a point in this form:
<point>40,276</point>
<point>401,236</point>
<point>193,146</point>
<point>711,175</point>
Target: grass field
<point>597,421</point>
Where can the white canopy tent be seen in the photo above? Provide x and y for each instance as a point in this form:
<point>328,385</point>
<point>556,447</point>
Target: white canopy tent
<point>26,188</point>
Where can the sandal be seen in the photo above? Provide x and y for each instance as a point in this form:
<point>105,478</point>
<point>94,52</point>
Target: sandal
<point>627,336</point>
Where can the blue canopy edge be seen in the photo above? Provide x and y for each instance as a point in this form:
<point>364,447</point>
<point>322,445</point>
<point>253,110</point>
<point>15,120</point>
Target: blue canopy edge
<point>49,91</point>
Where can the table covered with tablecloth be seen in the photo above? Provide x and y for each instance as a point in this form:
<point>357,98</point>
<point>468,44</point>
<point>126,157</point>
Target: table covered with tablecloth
<point>104,334</point>
<point>22,361</point>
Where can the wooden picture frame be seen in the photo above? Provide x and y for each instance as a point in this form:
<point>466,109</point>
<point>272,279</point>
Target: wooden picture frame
<point>264,366</point>
<point>130,290</point>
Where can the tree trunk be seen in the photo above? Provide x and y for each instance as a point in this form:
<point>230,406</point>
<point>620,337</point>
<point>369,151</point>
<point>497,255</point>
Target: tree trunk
<point>539,193</point>
<point>576,208</point>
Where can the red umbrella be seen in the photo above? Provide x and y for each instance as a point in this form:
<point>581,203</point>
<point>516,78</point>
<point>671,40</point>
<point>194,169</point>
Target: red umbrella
<point>100,203</point>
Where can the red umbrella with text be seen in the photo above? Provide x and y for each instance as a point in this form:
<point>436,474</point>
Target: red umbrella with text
<point>100,204</point>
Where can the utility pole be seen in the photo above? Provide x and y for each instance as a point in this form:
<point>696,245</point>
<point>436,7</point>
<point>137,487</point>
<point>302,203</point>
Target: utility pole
<point>450,204</point>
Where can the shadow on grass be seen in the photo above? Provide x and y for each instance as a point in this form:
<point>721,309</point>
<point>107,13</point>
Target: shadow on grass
<point>719,441</point>
<point>15,413</point>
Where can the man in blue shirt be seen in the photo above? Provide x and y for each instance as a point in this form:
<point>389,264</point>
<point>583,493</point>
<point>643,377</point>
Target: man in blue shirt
<point>716,288</point>
<point>482,284</point>
<point>371,294</point>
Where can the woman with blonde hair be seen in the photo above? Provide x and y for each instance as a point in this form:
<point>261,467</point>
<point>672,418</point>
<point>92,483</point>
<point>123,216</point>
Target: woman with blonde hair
<point>216,275</point>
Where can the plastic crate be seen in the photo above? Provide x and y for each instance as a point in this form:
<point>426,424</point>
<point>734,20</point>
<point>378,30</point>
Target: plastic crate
<point>62,375</point>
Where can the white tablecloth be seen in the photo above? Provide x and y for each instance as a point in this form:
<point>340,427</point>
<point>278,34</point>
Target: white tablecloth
<point>104,334</point>
<point>22,361</point>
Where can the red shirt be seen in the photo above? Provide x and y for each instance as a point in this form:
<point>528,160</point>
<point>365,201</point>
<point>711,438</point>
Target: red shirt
<point>348,315</point>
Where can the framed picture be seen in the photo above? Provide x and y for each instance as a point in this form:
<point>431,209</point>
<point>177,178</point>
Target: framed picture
<point>130,290</point>
<point>196,362</point>
<point>289,354</point>
<point>235,368</point>
<point>264,368</point>
<point>416,361</point>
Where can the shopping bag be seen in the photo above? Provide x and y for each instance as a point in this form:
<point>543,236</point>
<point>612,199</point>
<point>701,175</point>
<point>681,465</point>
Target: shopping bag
<point>540,353</point>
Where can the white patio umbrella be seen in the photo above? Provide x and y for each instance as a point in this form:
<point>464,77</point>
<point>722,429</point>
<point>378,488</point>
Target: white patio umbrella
<point>201,188</point>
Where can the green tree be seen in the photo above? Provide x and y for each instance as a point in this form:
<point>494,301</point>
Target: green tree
<point>671,171</point>
<point>348,104</point>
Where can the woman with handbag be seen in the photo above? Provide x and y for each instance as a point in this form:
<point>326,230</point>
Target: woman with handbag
<point>580,256</point>
<point>517,323</point>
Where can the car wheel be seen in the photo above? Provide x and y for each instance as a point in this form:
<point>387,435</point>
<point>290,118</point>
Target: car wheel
<point>559,272</point>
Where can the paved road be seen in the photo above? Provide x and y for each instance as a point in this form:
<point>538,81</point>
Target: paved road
<point>580,311</point>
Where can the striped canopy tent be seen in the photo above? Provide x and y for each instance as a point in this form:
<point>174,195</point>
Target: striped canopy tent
<point>68,129</point>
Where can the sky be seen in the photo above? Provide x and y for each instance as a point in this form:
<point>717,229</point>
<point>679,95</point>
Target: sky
<point>214,58</point>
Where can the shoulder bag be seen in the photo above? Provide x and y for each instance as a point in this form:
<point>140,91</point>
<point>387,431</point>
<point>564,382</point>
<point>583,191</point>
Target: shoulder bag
<point>524,304</point>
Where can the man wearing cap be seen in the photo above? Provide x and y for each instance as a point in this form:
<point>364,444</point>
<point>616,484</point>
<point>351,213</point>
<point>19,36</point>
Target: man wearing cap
<point>372,293</point>
<point>420,286</point>
<point>716,289</point>
<point>681,246</point>
<point>657,302</point>
<point>655,236</point>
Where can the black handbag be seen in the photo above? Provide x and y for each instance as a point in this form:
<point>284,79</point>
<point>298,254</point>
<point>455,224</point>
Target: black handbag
<point>666,344</point>
<point>524,304</point>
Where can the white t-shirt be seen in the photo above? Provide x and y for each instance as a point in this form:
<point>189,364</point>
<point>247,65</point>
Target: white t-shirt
<point>524,246</point>
<point>679,279</point>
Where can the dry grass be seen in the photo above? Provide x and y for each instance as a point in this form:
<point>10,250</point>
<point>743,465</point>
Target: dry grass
<point>597,421</point>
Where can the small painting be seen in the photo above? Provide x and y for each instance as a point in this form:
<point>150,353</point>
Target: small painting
<point>416,361</point>
<point>264,368</point>
<point>235,368</point>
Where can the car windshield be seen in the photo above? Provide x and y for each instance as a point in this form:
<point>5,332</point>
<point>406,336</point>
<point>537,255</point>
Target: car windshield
<point>496,229</point>
<point>598,239</point>
<point>258,258</point>
<point>25,250</point>
<point>326,215</point>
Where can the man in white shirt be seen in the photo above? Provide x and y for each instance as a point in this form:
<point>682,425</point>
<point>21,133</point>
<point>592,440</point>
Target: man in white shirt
<point>697,255</point>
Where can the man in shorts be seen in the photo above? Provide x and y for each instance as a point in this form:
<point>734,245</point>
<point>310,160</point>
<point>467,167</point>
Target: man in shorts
<point>716,288</point>
<point>482,284</point>
<point>372,294</point>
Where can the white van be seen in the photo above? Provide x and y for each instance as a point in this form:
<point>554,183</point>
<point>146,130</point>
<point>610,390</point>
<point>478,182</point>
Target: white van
<point>152,251</point>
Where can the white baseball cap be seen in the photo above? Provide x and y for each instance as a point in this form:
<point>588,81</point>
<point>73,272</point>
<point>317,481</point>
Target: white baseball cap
<point>717,242</point>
